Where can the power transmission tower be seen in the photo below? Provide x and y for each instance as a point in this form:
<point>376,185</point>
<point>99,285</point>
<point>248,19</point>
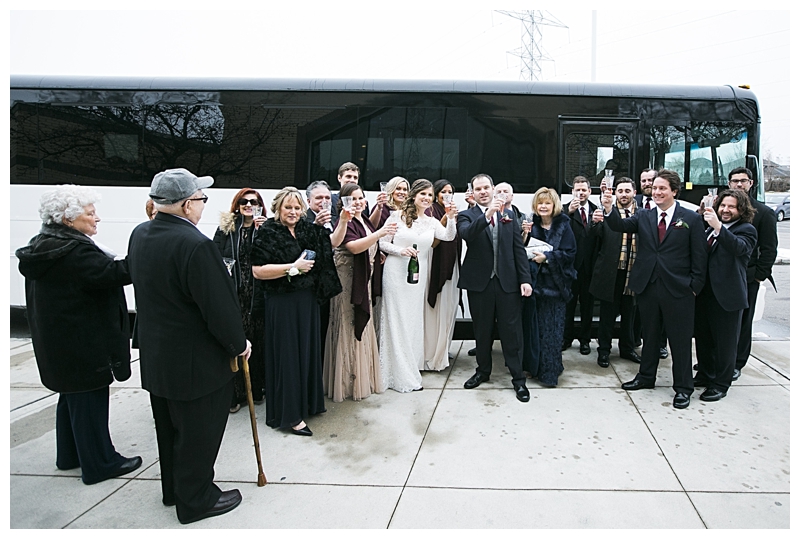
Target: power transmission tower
<point>532,53</point>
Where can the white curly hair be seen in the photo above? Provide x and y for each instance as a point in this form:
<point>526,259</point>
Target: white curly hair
<point>65,201</point>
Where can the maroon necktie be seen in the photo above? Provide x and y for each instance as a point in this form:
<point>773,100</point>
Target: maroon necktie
<point>662,227</point>
<point>583,216</point>
<point>647,204</point>
<point>711,240</point>
<point>491,220</point>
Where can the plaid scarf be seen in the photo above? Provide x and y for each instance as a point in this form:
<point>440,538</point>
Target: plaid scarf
<point>627,253</point>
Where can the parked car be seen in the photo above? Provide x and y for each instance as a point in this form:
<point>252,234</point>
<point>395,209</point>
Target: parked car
<point>779,202</point>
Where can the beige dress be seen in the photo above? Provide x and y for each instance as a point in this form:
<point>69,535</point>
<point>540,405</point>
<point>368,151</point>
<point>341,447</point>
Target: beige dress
<point>351,368</point>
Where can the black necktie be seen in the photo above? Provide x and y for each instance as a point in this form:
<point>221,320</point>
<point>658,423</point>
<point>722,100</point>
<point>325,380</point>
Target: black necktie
<point>647,204</point>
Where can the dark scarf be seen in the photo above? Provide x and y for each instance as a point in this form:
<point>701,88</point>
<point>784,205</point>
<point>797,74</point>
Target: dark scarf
<point>359,296</point>
<point>445,257</point>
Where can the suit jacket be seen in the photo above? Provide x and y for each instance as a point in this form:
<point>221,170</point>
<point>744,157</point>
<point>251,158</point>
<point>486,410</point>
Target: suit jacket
<point>512,261</point>
<point>310,215</point>
<point>766,224</point>
<point>188,312</point>
<point>640,201</point>
<point>604,273</point>
<point>586,243</point>
<point>680,260</point>
<point>727,264</point>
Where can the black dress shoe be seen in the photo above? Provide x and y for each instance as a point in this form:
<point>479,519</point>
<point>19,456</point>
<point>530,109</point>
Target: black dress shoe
<point>472,351</point>
<point>523,395</point>
<point>695,366</point>
<point>680,401</point>
<point>602,359</point>
<point>227,501</point>
<point>637,384</point>
<point>632,355</point>
<point>663,353</point>
<point>127,466</point>
<point>736,374</point>
<point>305,431</point>
<point>476,380</point>
<point>585,350</point>
<point>712,395</point>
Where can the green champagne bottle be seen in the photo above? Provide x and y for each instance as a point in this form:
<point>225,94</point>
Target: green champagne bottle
<point>413,269</point>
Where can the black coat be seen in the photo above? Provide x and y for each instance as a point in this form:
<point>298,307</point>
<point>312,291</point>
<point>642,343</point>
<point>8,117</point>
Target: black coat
<point>76,310</point>
<point>604,274</point>
<point>557,273</point>
<point>190,325</point>
<point>585,243</point>
<point>763,257</point>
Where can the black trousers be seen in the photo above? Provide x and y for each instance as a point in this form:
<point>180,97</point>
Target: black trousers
<point>746,328</point>
<point>580,294</point>
<point>716,335</point>
<point>189,434</point>
<point>660,309</point>
<point>82,438</point>
<point>625,307</point>
<point>488,306</point>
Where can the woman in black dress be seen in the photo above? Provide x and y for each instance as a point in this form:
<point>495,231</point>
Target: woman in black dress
<point>234,239</point>
<point>294,282</point>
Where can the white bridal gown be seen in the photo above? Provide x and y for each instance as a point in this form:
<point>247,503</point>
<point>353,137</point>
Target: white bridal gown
<point>402,341</point>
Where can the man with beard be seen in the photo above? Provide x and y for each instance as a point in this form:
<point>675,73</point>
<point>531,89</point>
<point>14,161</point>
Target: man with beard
<point>718,311</point>
<point>615,258</point>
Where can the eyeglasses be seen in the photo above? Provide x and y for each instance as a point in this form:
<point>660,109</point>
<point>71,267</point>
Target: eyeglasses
<point>740,182</point>
<point>203,198</point>
<point>246,201</point>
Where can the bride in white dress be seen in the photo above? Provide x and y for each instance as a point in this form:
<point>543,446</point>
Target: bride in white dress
<point>402,343</point>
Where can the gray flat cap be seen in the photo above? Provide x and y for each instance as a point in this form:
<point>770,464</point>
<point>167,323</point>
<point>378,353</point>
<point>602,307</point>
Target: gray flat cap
<point>176,184</point>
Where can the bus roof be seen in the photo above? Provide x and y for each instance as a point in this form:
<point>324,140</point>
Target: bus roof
<point>47,82</point>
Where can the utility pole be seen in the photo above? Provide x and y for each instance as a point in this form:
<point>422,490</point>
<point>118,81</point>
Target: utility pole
<point>594,45</point>
<point>532,53</point>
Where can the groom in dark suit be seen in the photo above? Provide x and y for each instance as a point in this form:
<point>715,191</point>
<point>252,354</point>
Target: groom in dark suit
<point>670,271</point>
<point>495,273</point>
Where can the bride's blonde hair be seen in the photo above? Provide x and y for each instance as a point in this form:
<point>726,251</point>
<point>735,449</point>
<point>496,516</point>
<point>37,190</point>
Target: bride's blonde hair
<point>408,209</point>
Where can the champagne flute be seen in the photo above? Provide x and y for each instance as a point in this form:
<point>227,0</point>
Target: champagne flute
<point>325,205</point>
<point>229,262</point>
<point>383,186</point>
<point>257,210</point>
<point>447,199</point>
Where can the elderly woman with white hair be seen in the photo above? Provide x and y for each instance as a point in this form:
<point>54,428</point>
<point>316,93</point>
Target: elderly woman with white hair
<point>292,259</point>
<point>79,327</point>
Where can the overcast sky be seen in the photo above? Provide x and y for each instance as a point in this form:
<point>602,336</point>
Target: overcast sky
<point>674,47</point>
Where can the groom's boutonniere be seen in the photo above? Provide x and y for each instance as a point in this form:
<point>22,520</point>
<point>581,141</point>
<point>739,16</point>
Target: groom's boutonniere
<point>680,223</point>
<point>505,219</point>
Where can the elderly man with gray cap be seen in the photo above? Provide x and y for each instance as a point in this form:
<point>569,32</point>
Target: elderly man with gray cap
<point>189,329</point>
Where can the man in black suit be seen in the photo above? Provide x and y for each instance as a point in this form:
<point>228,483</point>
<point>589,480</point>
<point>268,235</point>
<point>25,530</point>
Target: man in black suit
<point>670,271</point>
<point>645,200</point>
<point>580,211</point>
<point>190,328</point>
<point>495,273</point>
<point>759,268</point>
<point>718,312</point>
<point>615,259</point>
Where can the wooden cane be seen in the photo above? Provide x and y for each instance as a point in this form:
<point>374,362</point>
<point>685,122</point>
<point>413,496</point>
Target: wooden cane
<point>262,479</point>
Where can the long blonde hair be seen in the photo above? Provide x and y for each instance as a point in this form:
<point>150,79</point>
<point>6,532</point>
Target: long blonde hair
<point>409,209</point>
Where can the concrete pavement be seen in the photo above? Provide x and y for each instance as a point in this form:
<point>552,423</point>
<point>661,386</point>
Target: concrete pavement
<point>583,455</point>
